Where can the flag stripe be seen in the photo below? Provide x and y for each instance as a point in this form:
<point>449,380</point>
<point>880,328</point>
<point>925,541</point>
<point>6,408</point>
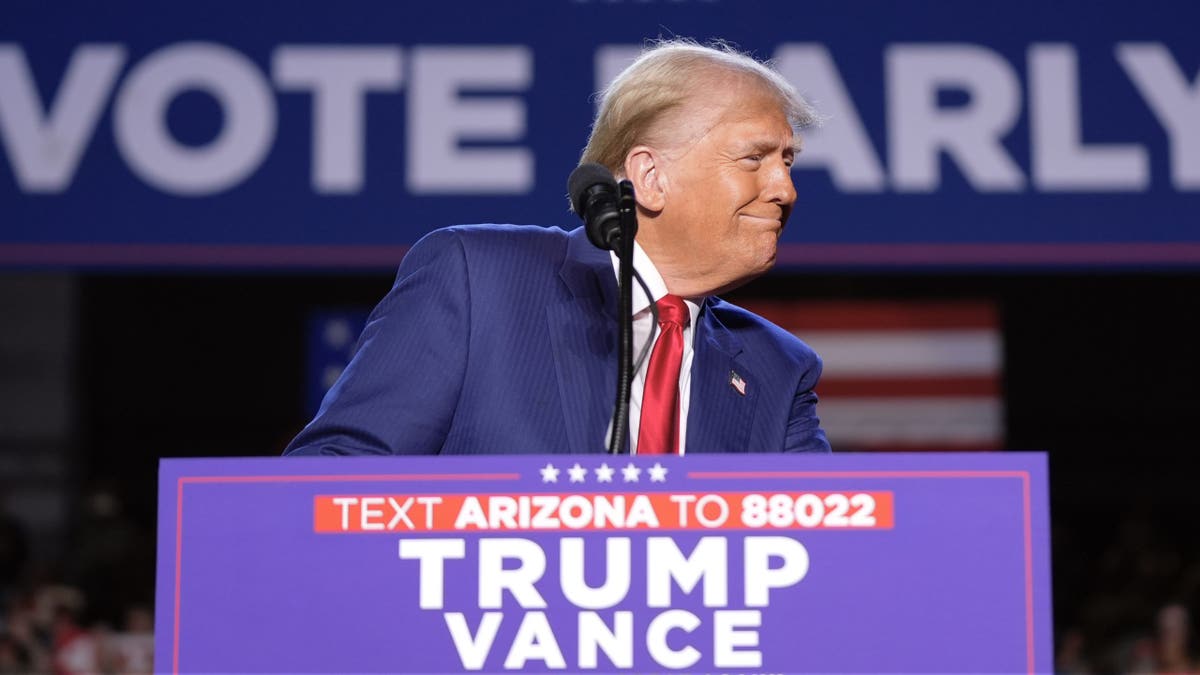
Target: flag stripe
<point>910,353</point>
<point>806,316</point>
<point>858,387</point>
<point>931,446</point>
<point>912,421</point>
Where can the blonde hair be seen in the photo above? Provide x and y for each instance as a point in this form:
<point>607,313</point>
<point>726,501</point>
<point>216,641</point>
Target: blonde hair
<point>664,79</point>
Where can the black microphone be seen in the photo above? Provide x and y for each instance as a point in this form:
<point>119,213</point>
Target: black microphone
<point>609,213</point>
<point>594,198</point>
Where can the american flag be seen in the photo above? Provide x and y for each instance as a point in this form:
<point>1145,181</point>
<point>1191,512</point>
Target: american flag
<point>903,375</point>
<point>737,382</point>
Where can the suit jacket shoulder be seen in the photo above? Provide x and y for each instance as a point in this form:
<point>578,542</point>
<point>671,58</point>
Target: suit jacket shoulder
<point>784,346</point>
<point>759,380</point>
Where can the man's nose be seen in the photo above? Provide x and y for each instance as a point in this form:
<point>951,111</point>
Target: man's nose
<point>779,188</point>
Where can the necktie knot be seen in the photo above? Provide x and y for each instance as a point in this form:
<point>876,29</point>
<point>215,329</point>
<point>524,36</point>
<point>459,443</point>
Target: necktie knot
<point>671,309</point>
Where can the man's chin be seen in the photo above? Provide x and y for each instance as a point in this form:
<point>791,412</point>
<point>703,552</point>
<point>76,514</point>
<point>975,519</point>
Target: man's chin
<point>768,259</point>
<point>750,275</point>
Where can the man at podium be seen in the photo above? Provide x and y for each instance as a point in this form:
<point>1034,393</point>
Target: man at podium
<point>503,339</point>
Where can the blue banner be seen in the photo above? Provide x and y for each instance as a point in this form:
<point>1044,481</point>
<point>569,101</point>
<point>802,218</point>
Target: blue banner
<point>316,134</point>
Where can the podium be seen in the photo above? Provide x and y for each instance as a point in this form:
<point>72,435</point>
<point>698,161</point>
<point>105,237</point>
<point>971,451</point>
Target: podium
<point>595,563</point>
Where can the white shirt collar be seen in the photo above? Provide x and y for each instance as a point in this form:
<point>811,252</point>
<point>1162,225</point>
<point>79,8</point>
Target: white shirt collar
<point>654,281</point>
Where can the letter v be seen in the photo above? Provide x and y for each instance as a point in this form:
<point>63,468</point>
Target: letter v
<point>473,650</point>
<point>45,150</point>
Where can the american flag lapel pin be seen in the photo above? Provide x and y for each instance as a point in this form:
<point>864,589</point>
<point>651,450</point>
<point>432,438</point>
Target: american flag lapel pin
<point>737,382</point>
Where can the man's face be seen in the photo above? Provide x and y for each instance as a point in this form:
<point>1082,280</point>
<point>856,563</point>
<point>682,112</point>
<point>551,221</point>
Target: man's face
<point>730,193</point>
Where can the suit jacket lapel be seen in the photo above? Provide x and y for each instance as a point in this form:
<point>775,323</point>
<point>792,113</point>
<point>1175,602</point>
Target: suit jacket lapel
<point>719,416</point>
<point>584,338</point>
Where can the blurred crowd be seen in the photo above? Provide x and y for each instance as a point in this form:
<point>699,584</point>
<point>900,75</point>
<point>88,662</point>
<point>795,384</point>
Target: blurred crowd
<point>1135,600</point>
<point>1164,647</point>
<point>42,632</point>
<point>87,610</point>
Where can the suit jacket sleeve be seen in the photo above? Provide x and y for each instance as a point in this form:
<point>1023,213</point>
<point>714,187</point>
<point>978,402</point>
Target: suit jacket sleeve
<point>401,389</point>
<point>804,433</point>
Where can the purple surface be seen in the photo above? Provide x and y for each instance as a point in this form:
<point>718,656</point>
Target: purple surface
<point>959,584</point>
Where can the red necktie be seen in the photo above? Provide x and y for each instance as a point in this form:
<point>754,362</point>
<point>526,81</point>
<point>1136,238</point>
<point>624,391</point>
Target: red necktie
<point>658,432</point>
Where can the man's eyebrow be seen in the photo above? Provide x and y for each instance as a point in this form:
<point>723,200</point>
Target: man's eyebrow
<point>763,145</point>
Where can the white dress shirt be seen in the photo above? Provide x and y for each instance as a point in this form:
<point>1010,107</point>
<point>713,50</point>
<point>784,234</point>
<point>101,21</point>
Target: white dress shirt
<point>642,320</point>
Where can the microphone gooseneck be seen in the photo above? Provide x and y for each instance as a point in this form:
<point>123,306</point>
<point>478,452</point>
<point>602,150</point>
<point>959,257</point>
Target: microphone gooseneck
<point>609,214</point>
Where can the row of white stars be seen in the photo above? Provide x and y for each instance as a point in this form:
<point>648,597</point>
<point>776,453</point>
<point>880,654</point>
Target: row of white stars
<point>604,473</point>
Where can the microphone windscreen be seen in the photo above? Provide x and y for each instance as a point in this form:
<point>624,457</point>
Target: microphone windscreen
<point>584,177</point>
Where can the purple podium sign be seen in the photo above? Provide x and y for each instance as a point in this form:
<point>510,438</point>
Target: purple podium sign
<point>591,563</point>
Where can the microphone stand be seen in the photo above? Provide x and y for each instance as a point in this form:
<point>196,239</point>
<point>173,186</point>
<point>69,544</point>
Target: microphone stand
<point>627,211</point>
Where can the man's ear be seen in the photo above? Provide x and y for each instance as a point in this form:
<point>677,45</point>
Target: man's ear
<point>643,168</point>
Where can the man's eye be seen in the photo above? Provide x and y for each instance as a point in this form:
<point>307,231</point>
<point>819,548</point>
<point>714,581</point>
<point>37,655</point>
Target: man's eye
<point>753,158</point>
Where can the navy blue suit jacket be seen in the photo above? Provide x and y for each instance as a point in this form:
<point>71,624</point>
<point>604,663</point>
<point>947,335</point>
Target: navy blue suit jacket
<point>503,339</point>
